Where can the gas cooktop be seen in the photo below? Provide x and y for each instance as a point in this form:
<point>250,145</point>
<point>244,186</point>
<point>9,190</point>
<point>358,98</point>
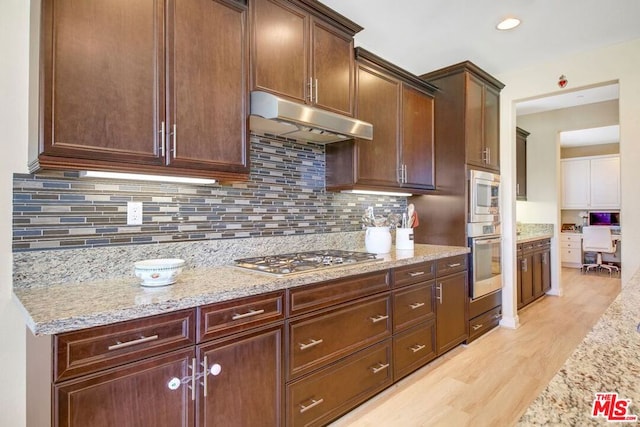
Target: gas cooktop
<point>302,262</point>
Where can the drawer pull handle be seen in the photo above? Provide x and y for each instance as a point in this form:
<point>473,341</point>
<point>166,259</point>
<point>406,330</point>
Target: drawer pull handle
<point>380,367</point>
<point>457,264</point>
<point>118,345</point>
<point>497,316</point>
<point>416,305</point>
<point>244,315</point>
<point>476,327</point>
<point>313,404</point>
<point>418,347</point>
<point>379,318</point>
<point>310,344</point>
<point>416,273</point>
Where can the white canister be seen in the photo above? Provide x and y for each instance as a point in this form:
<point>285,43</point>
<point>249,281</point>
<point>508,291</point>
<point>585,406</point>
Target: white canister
<point>404,239</point>
<point>377,240</point>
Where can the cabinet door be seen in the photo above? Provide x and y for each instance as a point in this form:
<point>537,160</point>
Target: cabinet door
<point>546,270</point>
<point>605,183</point>
<point>521,165</point>
<point>332,63</point>
<point>474,121</point>
<point>451,311</point>
<point>537,275</point>
<point>490,126</point>
<point>208,63</point>
<point>575,183</point>
<point>280,48</point>
<point>526,279</point>
<point>147,393</point>
<point>378,102</point>
<point>243,385</point>
<point>417,138</point>
<point>103,74</point>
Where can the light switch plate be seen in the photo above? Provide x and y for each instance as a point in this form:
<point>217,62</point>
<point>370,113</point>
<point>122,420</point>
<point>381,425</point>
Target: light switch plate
<point>134,213</point>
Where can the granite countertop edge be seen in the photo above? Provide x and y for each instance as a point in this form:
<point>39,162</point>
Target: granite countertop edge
<point>531,237</point>
<point>57,309</point>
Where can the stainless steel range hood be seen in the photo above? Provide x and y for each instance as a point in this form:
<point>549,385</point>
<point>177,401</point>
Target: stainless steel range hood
<point>276,116</point>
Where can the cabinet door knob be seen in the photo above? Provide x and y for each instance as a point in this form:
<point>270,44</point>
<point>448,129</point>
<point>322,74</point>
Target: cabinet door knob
<point>174,383</point>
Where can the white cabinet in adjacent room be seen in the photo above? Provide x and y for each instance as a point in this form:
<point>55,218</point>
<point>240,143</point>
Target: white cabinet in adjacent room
<point>591,182</point>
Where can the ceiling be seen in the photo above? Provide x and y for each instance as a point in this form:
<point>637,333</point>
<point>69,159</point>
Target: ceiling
<point>424,35</point>
<point>591,136</point>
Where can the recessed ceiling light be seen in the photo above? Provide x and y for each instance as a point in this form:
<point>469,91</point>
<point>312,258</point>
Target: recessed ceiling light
<point>508,24</point>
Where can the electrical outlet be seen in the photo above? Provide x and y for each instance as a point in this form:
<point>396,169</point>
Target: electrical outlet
<point>134,213</point>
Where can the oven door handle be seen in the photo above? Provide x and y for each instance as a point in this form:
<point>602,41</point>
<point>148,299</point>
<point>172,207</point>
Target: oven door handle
<point>479,242</point>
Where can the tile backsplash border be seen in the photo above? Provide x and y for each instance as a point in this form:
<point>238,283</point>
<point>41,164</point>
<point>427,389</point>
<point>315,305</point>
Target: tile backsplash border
<point>285,196</point>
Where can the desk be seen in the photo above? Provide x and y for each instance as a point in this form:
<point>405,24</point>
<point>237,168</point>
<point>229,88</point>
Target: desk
<point>571,250</point>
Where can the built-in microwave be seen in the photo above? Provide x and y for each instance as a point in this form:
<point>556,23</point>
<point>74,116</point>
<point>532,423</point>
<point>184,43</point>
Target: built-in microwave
<point>484,196</point>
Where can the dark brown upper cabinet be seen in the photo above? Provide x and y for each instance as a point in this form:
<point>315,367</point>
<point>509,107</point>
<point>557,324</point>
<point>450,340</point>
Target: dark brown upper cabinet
<point>157,87</point>
<point>469,108</point>
<point>401,108</point>
<point>303,51</point>
<point>521,163</point>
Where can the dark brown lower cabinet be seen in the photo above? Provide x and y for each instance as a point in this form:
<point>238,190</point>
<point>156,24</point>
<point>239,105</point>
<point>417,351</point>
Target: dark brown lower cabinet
<point>413,348</point>
<point>452,294</point>
<point>484,314</point>
<point>534,270</point>
<point>146,393</point>
<point>324,395</point>
<point>243,385</point>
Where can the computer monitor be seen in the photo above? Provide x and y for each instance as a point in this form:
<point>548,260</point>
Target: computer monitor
<point>604,218</point>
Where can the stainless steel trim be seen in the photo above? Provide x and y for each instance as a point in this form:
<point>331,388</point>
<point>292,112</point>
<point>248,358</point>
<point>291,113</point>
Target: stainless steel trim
<point>379,318</point>
<point>312,343</point>
<point>380,367</point>
<point>244,315</point>
<point>118,345</point>
<point>273,115</point>
<point>313,404</point>
<point>162,140</point>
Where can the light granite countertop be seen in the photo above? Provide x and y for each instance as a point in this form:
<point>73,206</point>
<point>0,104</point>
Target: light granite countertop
<point>70,306</point>
<point>607,360</point>
<point>532,236</point>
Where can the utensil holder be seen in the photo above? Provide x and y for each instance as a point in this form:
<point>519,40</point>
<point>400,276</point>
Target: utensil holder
<point>404,239</point>
<point>377,240</point>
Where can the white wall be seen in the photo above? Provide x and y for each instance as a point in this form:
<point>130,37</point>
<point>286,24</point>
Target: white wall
<point>14,96</point>
<point>620,63</point>
<point>542,150</point>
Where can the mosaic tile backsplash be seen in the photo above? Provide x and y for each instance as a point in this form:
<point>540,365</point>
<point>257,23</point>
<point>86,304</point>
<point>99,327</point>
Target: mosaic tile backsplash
<point>285,195</point>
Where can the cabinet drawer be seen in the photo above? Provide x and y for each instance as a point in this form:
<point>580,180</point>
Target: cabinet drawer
<point>90,350</point>
<point>483,323</point>
<point>451,265</point>
<point>413,273</point>
<point>324,338</point>
<point>484,304</point>
<point>571,255</point>
<point>413,305</point>
<point>570,237</point>
<point>330,392</point>
<point>413,348</point>
<point>572,245</point>
<point>307,298</point>
<point>227,317</point>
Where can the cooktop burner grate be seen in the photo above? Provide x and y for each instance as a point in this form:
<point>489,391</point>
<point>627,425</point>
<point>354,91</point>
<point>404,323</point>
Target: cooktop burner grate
<point>301,262</point>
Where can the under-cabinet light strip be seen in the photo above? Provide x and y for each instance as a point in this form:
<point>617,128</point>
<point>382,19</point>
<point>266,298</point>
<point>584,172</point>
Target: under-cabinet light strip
<point>143,177</point>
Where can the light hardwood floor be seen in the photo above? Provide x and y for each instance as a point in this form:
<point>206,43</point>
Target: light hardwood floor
<point>492,381</point>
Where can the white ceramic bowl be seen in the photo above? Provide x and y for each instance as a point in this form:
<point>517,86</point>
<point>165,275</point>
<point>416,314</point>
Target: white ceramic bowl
<point>158,272</point>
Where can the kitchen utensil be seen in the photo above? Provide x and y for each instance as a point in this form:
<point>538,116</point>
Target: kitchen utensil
<point>410,213</point>
<point>158,272</point>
